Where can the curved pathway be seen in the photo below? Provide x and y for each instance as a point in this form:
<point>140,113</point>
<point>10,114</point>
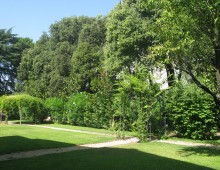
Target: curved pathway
<point>29,154</point>
<point>71,130</point>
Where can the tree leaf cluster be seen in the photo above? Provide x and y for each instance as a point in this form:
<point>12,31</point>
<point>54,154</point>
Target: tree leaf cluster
<point>64,61</point>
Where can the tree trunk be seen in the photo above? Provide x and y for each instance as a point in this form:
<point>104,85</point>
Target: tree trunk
<point>170,74</point>
<point>217,59</point>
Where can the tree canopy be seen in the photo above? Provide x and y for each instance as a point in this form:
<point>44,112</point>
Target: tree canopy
<point>11,49</point>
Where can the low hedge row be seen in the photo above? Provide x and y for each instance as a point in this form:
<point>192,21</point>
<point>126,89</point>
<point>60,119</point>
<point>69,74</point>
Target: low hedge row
<point>22,106</point>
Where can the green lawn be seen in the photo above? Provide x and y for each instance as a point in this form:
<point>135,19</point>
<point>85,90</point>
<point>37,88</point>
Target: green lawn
<point>140,156</point>
<point>14,138</point>
<point>88,129</point>
<point>143,156</point>
<point>213,142</point>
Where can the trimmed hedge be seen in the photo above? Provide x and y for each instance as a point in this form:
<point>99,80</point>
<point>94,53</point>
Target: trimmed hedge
<point>55,107</point>
<point>23,106</point>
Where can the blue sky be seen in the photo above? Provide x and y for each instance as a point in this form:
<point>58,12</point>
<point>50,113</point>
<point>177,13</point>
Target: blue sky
<point>30,18</point>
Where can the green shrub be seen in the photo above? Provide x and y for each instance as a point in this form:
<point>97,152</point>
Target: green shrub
<point>192,112</point>
<point>9,107</point>
<point>78,109</point>
<point>55,107</point>
<point>23,106</point>
<point>102,103</point>
<point>136,103</point>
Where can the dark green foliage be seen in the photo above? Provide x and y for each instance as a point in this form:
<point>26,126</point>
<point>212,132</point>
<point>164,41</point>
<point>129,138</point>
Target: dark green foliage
<point>86,59</point>
<point>94,32</point>
<point>11,48</point>
<point>35,68</point>
<point>65,61</point>
<point>23,107</point>
<point>102,102</point>
<point>127,37</point>
<point>85,63</point>
<point>92,110</point>
<point>192,112</point>
<point>55,107</point>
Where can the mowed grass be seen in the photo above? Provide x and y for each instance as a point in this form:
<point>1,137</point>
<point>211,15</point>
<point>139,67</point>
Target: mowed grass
<point>151,155</point>
<point>14,138</point>
<point>213,142</point>
<point>143,156</point>
<point>89,129</point>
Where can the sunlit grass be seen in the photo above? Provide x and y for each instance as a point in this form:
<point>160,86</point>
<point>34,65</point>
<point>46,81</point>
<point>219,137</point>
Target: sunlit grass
<point>14,138</point>
<point>89,129</point>
<point>213,142</point>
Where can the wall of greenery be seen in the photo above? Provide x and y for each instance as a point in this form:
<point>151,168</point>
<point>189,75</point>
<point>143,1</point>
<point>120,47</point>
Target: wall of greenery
<point>100,71</point>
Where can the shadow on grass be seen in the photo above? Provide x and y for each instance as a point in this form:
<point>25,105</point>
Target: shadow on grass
<point>207,151</point>
<point>103,159</point>
<point>11,144</point>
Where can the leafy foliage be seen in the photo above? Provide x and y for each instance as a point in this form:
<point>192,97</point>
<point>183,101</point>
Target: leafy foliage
<point>102,102</point>
<point>78,109</point>
<point>135,102</point>
<point>192,112</point>
<point>55,107</point>
<point>127,36</point>
<point>85,61</point>
<point>187,35</point>
<point>99,71</point>
<point>24,107</point>
<point>11,48</point>
<point>64,61</point>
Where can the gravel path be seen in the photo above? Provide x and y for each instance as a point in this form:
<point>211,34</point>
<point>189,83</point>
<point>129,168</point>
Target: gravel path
<point>71,130</point>
<point>29,154</point>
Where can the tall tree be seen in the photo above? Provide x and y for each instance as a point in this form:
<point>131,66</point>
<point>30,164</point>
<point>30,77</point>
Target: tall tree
<point>87,59</point>
<point>188,33</point>
<point>127,37</point>
<point>11,48</point>
<point>46,69</point>
<point>34,71</point>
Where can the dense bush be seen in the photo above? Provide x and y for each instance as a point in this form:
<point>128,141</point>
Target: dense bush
<point>55,107</point>
<point>136,103</point>
<point>102,103</point>
<point>78,110</point>
<point>9,107</point>
<point>192,112</point>
<point>23,106</point>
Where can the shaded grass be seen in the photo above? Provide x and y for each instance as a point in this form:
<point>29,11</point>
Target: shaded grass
<point>22,121</point>
<point>130,157</point>
<point>14,138</point>
<point>151,155</point>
